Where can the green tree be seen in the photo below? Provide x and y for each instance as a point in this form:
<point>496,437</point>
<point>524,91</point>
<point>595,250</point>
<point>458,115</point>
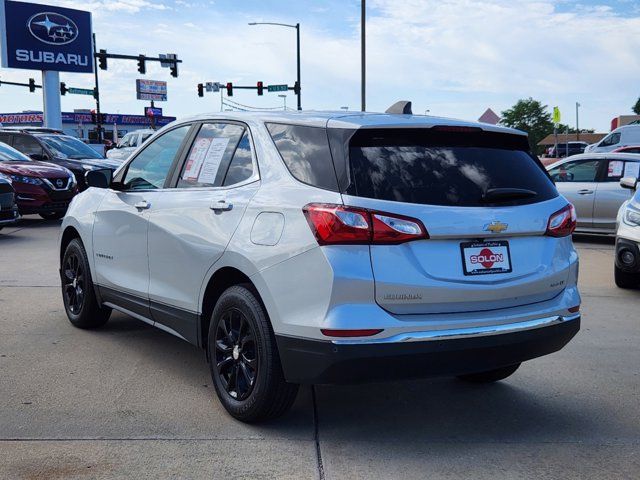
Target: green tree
<point>530,116</point>
<point>636,107</point>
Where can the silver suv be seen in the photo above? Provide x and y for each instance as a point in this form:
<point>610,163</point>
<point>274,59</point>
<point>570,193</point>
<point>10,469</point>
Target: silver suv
<point>325,247</point>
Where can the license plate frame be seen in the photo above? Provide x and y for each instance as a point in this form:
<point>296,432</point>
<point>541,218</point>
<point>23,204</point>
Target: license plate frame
<point>501,247</point>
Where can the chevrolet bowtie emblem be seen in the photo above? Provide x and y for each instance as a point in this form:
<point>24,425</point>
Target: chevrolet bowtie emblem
<point>495,227</point>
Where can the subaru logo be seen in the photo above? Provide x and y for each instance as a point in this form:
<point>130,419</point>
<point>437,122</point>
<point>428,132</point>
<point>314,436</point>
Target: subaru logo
<point>59,183</point>
<point>53,28</point>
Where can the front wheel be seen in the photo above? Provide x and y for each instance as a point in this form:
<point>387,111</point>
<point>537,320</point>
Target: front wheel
<point>626,279</point>
<point>78,293</point>
<point>52,215</point>
<point>490,376</point>
<point>244,361</point>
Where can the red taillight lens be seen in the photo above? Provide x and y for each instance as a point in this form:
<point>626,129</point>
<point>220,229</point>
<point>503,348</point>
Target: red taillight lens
<point>562,223</point>
<point>340,225</point>
<point>350,333</point>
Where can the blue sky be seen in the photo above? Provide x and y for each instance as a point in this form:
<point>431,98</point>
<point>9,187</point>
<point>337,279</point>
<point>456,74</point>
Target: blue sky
<point>452,57</point>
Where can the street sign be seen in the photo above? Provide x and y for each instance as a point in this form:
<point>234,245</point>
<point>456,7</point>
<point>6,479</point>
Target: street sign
<point>45,37</point>
<point>80,91</point>
<point>277,88</point>
<point>212,86</point>
<point>167,56</point>
<point>556,115</point>
<point>152,112</point>
<point>151,90</point>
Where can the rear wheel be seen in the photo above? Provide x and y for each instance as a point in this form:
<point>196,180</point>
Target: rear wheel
<point>244,361</point>
<point>78,293</point>
<point>626,279</point>
<point>52,215</point>
<point>490,375</point>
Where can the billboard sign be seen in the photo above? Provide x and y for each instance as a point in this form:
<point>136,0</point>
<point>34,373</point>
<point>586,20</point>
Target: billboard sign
<point>152,112</point>
<point>151,90</point>
<point>45,37</point>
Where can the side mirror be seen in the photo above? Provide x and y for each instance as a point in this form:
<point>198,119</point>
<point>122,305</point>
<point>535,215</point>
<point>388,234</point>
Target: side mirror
<point>99,178</point>
<point>629,182</point>
<point>40,157</point>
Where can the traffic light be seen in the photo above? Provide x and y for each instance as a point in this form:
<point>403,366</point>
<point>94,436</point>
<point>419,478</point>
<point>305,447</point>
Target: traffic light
<point>32,85</point>
<point>94,118</point>
<point>142,68</point>
<point>260,88</point>
<point>63,88</point>
<point>296,88</point>
<point>200,90</point>
<point>102,59</point>
<point>229,89</point>
<point>95,93</point>
<point>174,69</point>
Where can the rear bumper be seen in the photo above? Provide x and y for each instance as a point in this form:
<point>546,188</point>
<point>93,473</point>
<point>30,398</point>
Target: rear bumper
<point>424,354</point>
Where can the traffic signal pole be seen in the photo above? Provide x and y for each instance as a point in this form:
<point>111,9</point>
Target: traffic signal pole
<point>97,92</point>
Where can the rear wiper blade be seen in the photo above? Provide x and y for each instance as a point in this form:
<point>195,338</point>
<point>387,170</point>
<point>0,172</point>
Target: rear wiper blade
<point>507,194</point>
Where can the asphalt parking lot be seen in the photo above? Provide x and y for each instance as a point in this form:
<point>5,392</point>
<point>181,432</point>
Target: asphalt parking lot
<point>132,401</point>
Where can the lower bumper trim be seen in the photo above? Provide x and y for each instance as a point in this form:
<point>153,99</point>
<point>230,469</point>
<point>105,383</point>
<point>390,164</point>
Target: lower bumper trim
<point>321,362</point>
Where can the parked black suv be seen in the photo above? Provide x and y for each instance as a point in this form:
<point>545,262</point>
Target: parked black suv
<point>49,145</point>
<point>567,149</point>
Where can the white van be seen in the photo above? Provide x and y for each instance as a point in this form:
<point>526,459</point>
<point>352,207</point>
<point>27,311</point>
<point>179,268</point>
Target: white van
<point>620,137</point>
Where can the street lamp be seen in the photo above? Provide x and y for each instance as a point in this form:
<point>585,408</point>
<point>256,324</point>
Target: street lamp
<point>297,27</point>
<point>284,99</point>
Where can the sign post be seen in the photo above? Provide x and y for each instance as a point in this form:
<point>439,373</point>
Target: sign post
<point>48,38</point>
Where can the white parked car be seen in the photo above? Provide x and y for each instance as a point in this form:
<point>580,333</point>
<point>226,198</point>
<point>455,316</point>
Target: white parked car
<point>128,144</point>
<point>627,262</point>
<point>620,137</point>
<point>329,247</point>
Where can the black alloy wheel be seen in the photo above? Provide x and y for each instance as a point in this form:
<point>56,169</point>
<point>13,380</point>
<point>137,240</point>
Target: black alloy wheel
<point>74,283</point>
<point>236,354</point>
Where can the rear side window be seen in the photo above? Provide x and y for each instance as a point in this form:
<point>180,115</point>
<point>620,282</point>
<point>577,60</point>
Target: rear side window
<point>443,168</point>
<point>611,139</point>
<point>306,153</point>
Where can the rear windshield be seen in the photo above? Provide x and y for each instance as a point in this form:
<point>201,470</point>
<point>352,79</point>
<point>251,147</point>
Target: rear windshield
<point>432,167</point>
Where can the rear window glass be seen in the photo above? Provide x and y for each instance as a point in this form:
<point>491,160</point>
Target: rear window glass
<point>444,168</point>
<point>306,153</point>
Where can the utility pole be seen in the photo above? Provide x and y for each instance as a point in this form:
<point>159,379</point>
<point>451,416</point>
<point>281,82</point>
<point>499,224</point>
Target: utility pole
<point>577,124</point>
<point>363,73</point>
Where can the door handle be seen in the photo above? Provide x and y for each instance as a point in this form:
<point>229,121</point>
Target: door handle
<point>143,205</point>
<point>220,205</point>
<point>585,192</point>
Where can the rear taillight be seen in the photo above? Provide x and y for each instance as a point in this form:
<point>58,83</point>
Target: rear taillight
<point>340,225</point>
<point>562,223</point>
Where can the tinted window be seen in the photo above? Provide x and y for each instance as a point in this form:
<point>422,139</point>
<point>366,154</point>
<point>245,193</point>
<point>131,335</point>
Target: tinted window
<point>150,168</point>
<point>579,171</point>
<point>611,139</point>
<point>448,168</point>
<point>5,138</point>
<point>241,166</point>
<point>64,146</point>
<point>210,155</point>
<point>27,145</point>
<point>306,153</point>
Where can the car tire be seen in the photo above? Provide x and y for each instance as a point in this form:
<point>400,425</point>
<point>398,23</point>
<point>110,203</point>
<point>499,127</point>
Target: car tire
<point>243,358</point>
<point>52,215</point>
<point>626,279</point>
<point>78,294</point>
<point>490,376</point>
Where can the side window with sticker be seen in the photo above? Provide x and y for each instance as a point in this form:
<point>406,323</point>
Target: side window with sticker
<point>210,155</point>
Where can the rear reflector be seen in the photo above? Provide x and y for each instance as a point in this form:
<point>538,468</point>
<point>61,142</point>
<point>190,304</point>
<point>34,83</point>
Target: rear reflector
<point>562,223</point>
<point>575,309</point>
<point>350,333</point>
<point>343,225</point>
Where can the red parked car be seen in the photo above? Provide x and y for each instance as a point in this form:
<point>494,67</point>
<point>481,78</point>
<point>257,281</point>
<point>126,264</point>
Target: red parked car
<point>42,188</point>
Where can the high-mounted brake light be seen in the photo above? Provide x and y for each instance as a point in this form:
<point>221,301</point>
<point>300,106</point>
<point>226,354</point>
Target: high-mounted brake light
<point>562,223</point>
<point>340,225</point>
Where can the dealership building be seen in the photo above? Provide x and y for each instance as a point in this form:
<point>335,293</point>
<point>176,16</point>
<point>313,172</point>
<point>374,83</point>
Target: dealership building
<point>79,123</point>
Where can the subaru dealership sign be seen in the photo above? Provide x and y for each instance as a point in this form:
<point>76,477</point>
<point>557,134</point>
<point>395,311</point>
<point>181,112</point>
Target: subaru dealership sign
<point>44,37</point>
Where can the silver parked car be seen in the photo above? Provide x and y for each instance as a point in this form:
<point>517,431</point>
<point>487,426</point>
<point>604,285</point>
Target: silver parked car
<point>328,247</point>
<point>591,182</point>
<point>128,144</point>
